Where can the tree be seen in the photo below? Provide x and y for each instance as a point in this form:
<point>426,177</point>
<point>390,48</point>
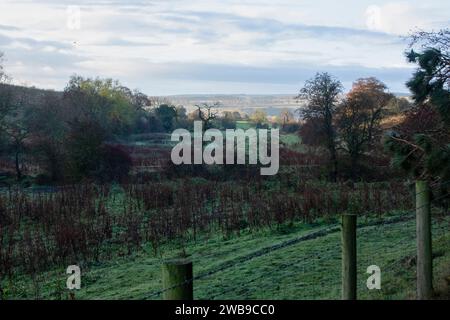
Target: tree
<point>207,113</point>
<point>17,132</point>
<point>321,94</point>
<point>139,100</point>
<point>105,101</point>
<point>259,118</point>
<point>49,132</point>
<point>84,145</point>
<point>3,75</point>
<point>359,116</point>
<point>167,114</point>
<point>287,121</point>
<point>12,124</point>
<point>16,129</point>
<point>157,101</point>
<point>181,113</point>
<point>115,164</point>
<point>431,81</point>
<point>229,118</point>
<point>286,116</point>
<point>312,134</point>
<point>398,105</point>
<point>94,111</point>
<point>422,151</point>
<point>7,104</point>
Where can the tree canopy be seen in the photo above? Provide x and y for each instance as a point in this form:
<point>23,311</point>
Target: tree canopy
<point>321,94</point>
<point>359,117</point>
<point>424,151</point>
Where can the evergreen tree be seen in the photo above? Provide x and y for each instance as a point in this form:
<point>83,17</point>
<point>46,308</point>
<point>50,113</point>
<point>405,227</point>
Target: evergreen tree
<point>424,150</point>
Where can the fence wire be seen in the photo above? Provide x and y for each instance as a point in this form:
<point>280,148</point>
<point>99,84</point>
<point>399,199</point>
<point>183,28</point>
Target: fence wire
<point>315,273</point>
<point>389,243</point>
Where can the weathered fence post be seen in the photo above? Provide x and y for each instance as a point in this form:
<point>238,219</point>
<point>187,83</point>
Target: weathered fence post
<point>349,257</point>
<point>177,280</point>
<point>424,250</point>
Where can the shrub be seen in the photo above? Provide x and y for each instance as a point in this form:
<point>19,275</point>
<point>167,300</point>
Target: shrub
<point>115,164</point>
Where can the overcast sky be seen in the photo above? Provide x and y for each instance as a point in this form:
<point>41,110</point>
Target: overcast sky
<point>212,46</point>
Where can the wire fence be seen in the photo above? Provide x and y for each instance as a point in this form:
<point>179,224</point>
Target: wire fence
<point>314,272</point>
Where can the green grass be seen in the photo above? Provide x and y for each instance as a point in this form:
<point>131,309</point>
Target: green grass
<point>291,139</point>
<point>305,269</point>
<point>244,124</point>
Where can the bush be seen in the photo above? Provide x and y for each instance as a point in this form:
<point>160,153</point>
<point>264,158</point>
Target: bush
<point>115,164</point>
<point>91,158</point>
<point>84,145</point>
<point>290,127</point>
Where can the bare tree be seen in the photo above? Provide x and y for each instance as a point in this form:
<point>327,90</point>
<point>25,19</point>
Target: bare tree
<point>18,133</point>
<point>439,40</point>
<point>286,116</point>
<point>207,113</point>
<point>434,60</point>
<point>2,73</point>
<point>5,92</point>
<point>157,101</point>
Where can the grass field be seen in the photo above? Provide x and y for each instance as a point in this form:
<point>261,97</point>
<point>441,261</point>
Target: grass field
<point>269,264</point>
<point>287,261</point>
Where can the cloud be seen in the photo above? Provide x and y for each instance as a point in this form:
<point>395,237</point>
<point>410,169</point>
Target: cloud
<point>205,45</point>
<point>283,73</point>
<point>8,28</point>
<point>400,18</point>
<point>186,78</point>
<point>121,42</point>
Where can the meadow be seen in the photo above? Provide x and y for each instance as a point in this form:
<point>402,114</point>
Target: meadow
<point>251,240</point>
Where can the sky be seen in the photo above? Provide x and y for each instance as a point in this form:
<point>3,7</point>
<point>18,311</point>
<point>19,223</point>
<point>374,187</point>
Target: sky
<point>166,47</point>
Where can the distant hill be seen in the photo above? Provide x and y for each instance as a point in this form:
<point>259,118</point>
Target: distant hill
<point>30,95</point>
<point>244,103</point>
<point>241,102</point>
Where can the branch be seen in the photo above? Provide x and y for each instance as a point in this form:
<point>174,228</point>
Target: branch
<point>408,143</point>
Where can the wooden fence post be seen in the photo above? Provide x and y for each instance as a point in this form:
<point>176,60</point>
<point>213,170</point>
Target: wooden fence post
<point>424,249</point>
<point>177,280</point>
<point>349,257</point>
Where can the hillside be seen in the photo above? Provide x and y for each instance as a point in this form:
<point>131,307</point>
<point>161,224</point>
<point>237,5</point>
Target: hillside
<point>294,262</point>
<point>30,95</point>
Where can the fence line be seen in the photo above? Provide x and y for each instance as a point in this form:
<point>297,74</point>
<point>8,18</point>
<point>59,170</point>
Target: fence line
<point>326,231</point>
<point>364,263</point>
<point>285,244</point>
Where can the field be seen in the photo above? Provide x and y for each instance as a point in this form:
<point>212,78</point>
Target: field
<point>272,238</point>
<point>253,269</point>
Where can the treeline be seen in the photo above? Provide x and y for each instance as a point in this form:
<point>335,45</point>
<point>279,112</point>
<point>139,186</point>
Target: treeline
<point>350,126</point>
<point>70,134</point>
<point>66,133</point>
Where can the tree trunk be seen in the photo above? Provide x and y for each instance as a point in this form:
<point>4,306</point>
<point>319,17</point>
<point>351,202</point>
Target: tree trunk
<point>354,166</point>
<point>18,171</point>
<point>331,145</point>
<point>334,164</point>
